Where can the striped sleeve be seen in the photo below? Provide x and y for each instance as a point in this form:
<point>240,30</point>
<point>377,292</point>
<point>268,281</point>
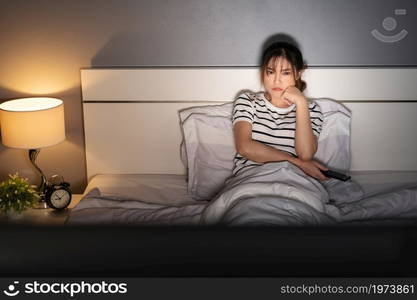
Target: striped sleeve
<point>243,109</point>
<point>316,118</point>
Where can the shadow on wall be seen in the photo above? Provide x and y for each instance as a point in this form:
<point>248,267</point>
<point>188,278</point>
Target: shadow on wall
<point>121,50</point>
<point>278,37</point>
<point>143,49</point>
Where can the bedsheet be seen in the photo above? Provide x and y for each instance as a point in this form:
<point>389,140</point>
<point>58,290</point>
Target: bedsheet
<point>288,197</point>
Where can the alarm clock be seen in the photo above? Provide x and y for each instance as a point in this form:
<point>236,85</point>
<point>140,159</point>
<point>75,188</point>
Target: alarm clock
<point>58,196</point>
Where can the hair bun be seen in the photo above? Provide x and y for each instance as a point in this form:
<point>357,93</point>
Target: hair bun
<point>302,85</point>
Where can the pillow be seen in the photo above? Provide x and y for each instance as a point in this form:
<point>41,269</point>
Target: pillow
<point>224,110</point>
<point>208,146</point>
<point>333,148</point>
<point>334,141</point>
<point>328,106</point>
<point>210,149</point>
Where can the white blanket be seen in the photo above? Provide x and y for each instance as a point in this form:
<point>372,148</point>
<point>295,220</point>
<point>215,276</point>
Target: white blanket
<point>270,194</point>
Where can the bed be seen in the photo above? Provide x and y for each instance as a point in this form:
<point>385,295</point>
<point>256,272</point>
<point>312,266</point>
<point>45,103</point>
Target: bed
<point>159,148</point>
<point>140,185</point>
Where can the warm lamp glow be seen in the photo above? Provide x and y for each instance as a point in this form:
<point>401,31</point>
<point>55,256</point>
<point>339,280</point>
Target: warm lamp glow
<point>32,123</point>
<point>52,71</point>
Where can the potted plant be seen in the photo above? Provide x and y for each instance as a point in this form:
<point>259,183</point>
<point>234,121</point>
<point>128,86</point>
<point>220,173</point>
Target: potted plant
<point>16,195</point>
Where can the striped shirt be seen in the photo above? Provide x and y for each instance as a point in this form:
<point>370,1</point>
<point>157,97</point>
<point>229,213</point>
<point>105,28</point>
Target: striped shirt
<point>271,125</point>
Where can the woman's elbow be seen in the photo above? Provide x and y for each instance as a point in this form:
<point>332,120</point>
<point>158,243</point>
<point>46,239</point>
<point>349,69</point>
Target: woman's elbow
<point>243,149</point>
<point>306,154</point>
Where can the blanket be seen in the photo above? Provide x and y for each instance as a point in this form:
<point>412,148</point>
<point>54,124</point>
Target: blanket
<point>277,193</point>
<point>269,194</point>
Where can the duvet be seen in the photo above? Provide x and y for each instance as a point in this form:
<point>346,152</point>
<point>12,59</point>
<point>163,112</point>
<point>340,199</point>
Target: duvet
<point>276,193</point>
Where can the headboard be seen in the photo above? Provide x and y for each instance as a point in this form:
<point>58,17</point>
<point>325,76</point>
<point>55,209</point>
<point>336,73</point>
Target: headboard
<point>131,119</point>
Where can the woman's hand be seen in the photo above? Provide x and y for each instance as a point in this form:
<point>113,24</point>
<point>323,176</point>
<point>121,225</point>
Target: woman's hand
<point>312,168</point>
<point>293,95</point>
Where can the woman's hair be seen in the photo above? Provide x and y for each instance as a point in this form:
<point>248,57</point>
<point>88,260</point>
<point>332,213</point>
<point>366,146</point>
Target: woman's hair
<point>288,51</point>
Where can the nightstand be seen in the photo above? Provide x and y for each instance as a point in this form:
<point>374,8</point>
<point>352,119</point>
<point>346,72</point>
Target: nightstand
<point>42,217</point>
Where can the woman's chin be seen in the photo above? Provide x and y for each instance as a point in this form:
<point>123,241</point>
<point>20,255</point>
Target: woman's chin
<point>276,95</point>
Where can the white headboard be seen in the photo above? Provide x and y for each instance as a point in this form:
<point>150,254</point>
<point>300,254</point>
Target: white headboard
<point>131,115</point>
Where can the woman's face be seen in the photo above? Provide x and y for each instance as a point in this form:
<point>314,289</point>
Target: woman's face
<point>278,76</point>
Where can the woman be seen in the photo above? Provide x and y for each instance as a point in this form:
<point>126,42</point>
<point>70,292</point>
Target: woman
<point>279,124</point>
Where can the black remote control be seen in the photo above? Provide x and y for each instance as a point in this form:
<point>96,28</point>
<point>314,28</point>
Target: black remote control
<point>335,175</point>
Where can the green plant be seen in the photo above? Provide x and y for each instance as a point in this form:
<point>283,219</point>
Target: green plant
<point>16,194</point>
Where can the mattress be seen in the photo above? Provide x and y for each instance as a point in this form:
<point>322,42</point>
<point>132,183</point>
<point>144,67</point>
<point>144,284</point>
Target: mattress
<point>155,188</point>
<point>171,190</point>
<point>380,182</point>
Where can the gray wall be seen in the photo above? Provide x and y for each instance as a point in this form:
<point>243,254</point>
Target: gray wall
<point>45,43</point>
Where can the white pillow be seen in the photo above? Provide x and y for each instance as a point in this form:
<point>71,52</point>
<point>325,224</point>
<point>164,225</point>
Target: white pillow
<point>210,151</point>
<point>208,147</point>
<point>334,141</point>
<point>224,110</point>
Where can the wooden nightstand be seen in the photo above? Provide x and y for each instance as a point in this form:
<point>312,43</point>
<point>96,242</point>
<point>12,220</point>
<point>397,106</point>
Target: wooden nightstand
<point>42,217</point>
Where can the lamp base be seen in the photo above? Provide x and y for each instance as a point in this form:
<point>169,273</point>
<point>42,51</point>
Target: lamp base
<point>33,154</point>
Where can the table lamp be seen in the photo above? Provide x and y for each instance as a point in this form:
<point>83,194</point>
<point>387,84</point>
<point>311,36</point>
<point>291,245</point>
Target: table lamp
<point>33,123</point>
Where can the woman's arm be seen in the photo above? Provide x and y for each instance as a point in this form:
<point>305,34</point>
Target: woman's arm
<point>253,150</point>
<point>258,152</point>
<point>305,140</point>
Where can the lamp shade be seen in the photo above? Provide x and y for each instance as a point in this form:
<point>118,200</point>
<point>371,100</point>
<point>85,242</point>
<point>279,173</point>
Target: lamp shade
<point>32,123</point>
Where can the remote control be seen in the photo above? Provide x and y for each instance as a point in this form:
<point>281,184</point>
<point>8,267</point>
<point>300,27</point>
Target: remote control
<point>335,175</point>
